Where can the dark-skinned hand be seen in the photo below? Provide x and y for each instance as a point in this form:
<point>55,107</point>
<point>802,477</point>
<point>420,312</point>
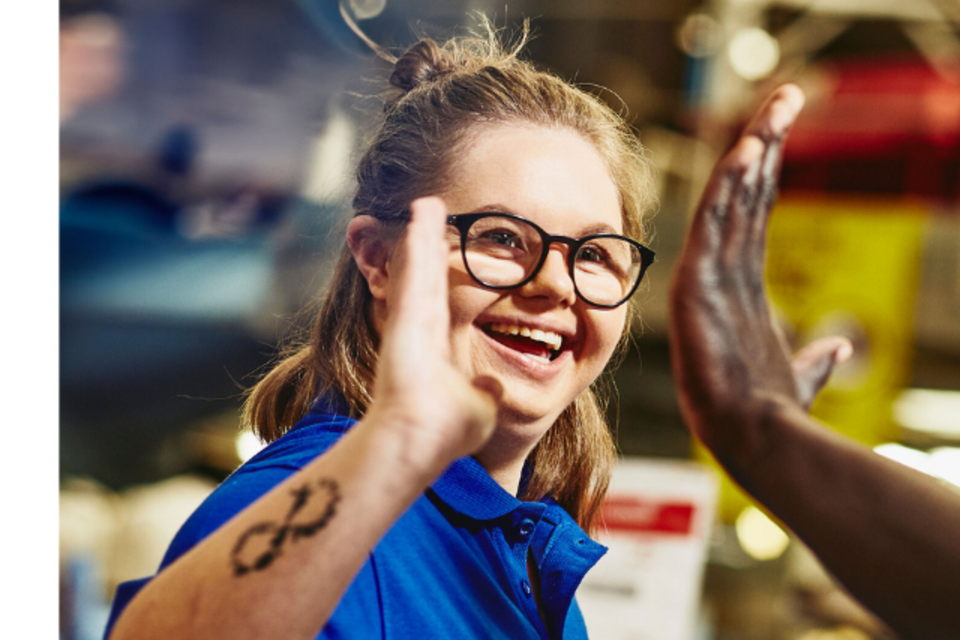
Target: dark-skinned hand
<point>888,533</point>
<point>730,360</point>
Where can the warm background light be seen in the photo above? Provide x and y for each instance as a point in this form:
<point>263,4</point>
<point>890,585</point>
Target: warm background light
<point>759,536</point>
<point>248,445</point>
<point>753,53</point>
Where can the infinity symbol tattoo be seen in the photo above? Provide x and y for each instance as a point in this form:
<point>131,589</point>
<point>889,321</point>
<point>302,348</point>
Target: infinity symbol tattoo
<point>263,543</point>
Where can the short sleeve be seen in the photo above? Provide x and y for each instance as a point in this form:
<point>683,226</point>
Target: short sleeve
<point>245,486</point>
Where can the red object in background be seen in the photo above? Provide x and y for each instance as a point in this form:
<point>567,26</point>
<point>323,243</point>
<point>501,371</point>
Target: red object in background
<point>887,126</point>
<point>633,515</point>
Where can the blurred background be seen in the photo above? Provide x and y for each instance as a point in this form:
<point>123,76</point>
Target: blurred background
<point>205,166</point>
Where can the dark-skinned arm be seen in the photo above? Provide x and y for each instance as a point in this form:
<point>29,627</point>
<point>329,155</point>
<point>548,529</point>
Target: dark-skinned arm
<point>889,534</point>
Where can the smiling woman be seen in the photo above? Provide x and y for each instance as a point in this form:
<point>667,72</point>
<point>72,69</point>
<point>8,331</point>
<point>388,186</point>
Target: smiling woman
<point>485,131</point>
<point>437,444</point>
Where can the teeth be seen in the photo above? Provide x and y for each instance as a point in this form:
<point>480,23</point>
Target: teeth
<point>549,338</point>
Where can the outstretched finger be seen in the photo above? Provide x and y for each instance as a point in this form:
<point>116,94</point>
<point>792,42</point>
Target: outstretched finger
<point>747,156</point>
<point>776,115</point>
<point>710,224</point>
<point>421,264</point>
<point>760,151</point>
<point>740,189</point>
<point>772,124</point>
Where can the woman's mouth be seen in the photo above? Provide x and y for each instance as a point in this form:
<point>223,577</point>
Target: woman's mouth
<point>535,343</point>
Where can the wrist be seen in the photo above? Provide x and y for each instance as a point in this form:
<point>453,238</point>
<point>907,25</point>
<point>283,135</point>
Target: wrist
<point>405,447</point>
<point>748,437</point>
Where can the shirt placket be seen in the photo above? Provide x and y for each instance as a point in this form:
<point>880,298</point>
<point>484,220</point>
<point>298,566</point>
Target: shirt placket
<point>519,529</point>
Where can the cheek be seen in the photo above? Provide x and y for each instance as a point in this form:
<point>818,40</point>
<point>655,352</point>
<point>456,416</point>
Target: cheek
<point>467,301</point>
<point>607,330</point>
<point>459,285</point>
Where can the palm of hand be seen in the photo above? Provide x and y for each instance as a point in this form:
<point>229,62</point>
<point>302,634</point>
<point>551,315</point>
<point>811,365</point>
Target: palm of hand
<point>417,388</point>
<point>731,362</point>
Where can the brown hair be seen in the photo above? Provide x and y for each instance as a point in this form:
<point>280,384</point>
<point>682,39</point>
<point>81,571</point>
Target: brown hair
<point>445,93</point>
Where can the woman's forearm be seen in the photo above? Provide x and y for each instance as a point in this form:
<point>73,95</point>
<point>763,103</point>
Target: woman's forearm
<point>279,568</point>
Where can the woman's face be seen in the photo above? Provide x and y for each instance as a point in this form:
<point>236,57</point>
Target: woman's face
<point>556,179</point>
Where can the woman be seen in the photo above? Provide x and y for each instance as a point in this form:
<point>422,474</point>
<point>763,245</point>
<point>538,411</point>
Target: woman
<point>480,327</point>
<point>438,447</point>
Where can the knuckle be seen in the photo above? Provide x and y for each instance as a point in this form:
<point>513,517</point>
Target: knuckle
<point>748,195</point>
<point>768,194</point>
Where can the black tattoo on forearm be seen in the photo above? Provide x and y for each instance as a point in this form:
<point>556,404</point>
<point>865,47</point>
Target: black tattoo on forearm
<point>263,543</point>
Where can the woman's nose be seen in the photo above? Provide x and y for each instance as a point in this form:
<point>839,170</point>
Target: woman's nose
<point>553,280</point>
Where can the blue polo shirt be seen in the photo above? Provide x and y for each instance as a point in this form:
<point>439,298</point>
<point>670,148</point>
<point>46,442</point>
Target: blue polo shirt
<point>453,566</point>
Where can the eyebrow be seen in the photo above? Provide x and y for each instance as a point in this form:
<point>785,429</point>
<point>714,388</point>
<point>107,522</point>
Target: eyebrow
<point>602,227</point>
<point>494,208</point>
<point>593,229</point>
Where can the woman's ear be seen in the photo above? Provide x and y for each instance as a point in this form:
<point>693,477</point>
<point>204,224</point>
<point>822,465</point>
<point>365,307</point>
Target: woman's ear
<point>371,253</point>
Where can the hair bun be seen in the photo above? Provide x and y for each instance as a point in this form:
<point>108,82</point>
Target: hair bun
<point>423,62</point>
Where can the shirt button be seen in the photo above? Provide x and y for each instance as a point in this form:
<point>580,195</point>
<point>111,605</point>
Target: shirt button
<point>526,588</point>
<point>526,528</point>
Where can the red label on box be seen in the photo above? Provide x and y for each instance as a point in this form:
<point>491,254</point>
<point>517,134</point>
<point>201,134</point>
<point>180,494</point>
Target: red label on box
<point>632,514</point>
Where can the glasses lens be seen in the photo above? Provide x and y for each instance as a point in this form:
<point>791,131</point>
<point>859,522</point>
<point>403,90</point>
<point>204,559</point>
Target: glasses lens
<point>606,270</point>
<point>502,251</point>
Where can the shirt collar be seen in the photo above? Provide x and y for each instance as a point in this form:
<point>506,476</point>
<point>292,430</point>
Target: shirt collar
<point>332,402</point>
<point>465,486</point>
<point>468,489</point>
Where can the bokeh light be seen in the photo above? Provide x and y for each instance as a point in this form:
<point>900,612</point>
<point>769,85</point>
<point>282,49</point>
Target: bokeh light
<point>759,536</point>
<point>753,53</point>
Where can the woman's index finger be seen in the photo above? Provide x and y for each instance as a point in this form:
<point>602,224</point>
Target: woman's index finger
<point>423,265</point>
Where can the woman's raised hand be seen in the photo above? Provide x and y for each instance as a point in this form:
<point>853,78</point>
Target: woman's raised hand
<point>731,363</point>
<point>424,415</point>
<point>417,388</point>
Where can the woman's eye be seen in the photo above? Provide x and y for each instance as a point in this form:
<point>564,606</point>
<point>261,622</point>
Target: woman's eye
<point>591,254</point>
<point>504,238</point>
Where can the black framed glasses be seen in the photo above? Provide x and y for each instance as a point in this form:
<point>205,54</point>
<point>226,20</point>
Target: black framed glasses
<point>504,251</point>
